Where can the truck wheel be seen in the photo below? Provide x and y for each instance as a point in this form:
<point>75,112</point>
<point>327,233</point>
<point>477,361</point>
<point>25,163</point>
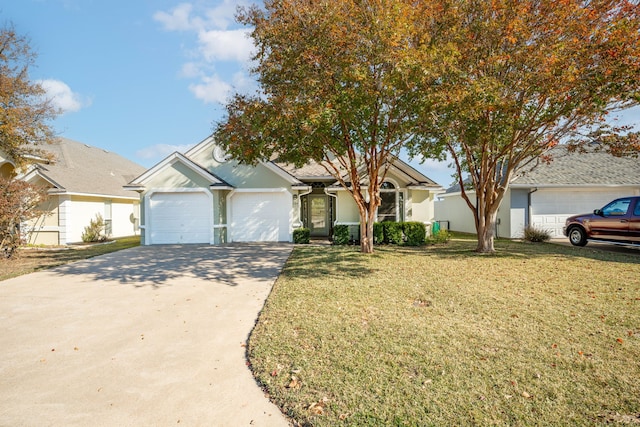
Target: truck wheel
<point>577,236</point>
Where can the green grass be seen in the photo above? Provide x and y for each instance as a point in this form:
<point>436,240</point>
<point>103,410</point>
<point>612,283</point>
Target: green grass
<point>537,334</point>
<point>30,259</point>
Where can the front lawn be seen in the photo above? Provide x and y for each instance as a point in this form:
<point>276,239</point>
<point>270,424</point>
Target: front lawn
<point>30,259</point>
<point>538,334</point>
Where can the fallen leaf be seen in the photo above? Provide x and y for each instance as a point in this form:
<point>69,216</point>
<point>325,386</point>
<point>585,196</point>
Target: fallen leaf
<point>620,340</point>
<point>76,348</point>
<point>526,395</point>
<point>295,383</point>
<point>274,373</point>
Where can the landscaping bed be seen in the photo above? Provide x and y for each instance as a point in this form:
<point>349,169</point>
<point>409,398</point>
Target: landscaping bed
<point>537,334</point>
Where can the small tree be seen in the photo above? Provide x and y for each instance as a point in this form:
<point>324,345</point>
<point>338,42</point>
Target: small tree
<point>94,232</point>
<point>18,204</point>
<point>24,111</point>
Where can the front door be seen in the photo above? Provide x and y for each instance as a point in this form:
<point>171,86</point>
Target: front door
<point>318,215</point>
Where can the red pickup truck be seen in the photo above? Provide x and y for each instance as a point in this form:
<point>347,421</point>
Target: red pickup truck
<point>617,222</point>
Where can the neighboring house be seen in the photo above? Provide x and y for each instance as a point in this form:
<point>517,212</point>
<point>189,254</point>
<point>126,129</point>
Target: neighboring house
<point>546,195</point>
<point>82,181</point>
<point>202,197</point>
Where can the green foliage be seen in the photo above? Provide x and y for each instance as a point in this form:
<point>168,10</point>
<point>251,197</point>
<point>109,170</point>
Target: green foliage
<point>536,235</point>
<point>415,233</point>
<point>378,233</point>
<point>341,234</point>
<point>392,232</point>
<point>301,235</point>
<point>439,237</point>
<point>94,232</point>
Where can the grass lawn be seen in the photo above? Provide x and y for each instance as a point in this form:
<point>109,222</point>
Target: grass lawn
<point>29,259</point>
<point>537,334</point>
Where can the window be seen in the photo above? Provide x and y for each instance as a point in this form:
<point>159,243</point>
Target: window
<point>108,224</point>
<point>392,203</point>
<point>617,208</point>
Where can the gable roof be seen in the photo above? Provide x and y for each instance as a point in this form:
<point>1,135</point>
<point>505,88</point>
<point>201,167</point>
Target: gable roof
<point>140,181</point>
<point>79,168</point>
<point>592,168</point>
<point>313,170</point>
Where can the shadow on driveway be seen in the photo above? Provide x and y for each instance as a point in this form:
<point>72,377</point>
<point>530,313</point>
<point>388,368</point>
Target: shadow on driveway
<point>158,265</point>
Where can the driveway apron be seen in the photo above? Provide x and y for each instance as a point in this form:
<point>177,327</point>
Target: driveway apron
<point>149,336</point>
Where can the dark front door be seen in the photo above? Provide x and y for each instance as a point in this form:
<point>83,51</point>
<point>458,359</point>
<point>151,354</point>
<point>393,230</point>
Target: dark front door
<point>318,215</point>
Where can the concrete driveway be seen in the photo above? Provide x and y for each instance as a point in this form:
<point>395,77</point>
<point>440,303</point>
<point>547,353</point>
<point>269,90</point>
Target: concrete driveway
<point>149,336</point>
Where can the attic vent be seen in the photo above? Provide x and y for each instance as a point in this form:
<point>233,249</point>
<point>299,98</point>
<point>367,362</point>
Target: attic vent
<point>106,151</point>
<point>87,145</point>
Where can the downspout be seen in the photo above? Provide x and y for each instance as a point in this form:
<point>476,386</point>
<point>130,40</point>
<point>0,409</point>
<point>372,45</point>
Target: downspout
<point>335,205</point>
<point>529,209</point>
<point>300,221</point>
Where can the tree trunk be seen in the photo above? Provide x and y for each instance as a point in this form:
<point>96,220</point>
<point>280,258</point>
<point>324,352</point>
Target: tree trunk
<point>366,233</point>
<point>485,227</point>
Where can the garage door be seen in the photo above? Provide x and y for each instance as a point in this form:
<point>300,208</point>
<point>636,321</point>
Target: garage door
<point>261,217</point>
<point>551,208</point>
<point>183,217</point>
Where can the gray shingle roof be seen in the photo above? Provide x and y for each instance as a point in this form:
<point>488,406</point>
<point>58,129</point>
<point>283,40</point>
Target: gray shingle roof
<point>582,169</point>
<point>81,168</point>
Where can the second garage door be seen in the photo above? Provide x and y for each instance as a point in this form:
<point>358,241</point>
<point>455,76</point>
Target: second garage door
<point>261,217</point>
<point>180,217</point>
<point>552,207</point>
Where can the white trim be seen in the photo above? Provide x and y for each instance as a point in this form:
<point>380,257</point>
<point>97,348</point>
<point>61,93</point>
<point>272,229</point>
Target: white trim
<point>260,190</point>
<point>200,146</point>
<point>71,193</point>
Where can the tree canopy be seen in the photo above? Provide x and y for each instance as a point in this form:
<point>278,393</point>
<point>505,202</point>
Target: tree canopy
<point>524,76</point>
<point>338,87</point>
<point>24,112</point>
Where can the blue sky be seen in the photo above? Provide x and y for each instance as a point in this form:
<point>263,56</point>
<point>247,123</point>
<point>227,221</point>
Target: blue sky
<point>144,78</point>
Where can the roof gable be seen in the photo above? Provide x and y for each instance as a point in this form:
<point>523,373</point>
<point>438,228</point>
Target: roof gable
<point>141,181</point>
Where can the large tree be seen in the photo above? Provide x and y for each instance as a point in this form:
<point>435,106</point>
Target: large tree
<point>25,111</point>
<point>524,76</point>
<point>338,86</point>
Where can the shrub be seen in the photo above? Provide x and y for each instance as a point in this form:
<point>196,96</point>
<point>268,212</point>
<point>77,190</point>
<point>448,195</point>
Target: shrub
<point>415,232</point>
<point>94,231</point>
<point>378,233</point>
<point>534,234</point>
<point>440,236</point>
<point>301,235</point>
<point>341,234</point>
<point>392,232</point>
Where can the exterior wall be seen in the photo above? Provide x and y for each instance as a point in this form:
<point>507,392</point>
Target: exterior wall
<point>420,206</point>
<point>519,215</point>
<point>453,209</point>
<point>44,230</point>
<point>503,220</point>
<point>177,176</point>
<point>346,208</point>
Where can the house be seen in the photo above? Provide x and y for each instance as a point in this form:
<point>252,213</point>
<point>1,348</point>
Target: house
<point>82,181</point>
<point>201,196</point>
<point>572,183</point>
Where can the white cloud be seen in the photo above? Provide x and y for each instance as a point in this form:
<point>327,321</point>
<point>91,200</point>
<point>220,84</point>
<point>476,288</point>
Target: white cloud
<point>212,89</point>
<point>229,45</point>
<point>178,19</point>
<point>215,41</point>
<point>160,151</point>
<point>62,96</point>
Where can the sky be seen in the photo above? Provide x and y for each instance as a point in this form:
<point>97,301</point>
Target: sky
<point>145,78</point>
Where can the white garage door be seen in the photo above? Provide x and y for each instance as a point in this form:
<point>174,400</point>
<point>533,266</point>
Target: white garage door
<point>261,217</point>
<point>182,217</point>
<point>552,207</point>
